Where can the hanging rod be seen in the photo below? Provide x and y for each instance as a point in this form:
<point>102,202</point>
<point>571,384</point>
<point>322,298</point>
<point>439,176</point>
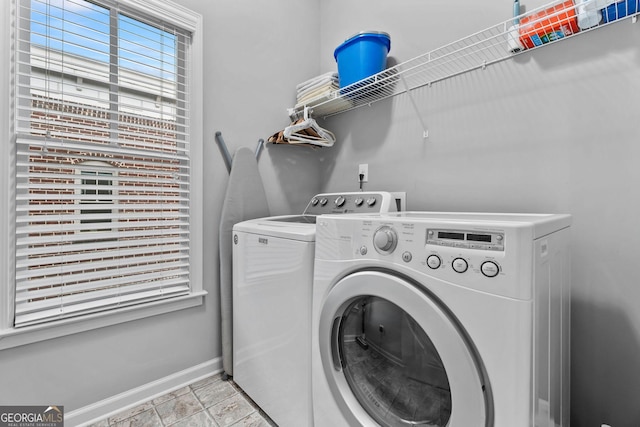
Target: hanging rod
<point>223,149</point>
<point>225,152</point>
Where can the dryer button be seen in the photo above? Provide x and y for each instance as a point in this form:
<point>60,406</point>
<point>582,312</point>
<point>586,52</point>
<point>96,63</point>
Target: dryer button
<point>433,261</point>
<point>490,269</point>
<point>459,265</point>
<point>406,256</point>
<point>363,250</point>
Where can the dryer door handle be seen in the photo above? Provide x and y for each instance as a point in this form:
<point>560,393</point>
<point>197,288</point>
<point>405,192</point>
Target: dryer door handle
<point>335,348</point>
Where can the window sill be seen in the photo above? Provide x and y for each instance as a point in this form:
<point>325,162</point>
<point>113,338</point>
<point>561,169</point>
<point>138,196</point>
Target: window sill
<point>10,338</point>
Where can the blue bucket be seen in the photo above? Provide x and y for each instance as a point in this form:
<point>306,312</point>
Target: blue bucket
<point>361,56</point>
<point>620,10</point>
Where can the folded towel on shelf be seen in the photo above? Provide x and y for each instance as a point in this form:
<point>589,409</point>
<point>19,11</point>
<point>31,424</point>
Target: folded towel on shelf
<point>330,76</point>
<point>317,89</point>
<point>323,86</point>
<point>316,93</point>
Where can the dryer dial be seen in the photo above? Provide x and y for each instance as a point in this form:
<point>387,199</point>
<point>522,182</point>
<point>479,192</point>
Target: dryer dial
<point>385,239</point>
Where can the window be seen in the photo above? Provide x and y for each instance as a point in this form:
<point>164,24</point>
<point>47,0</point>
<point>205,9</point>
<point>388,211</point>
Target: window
<point>104,157</point>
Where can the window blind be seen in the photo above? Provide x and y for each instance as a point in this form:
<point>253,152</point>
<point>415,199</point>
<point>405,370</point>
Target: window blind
<point>102,159</point>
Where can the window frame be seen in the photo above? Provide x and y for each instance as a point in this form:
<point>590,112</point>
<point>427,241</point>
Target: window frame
<point>12,337</point>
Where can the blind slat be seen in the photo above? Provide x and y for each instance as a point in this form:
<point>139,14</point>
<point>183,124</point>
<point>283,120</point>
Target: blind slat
<point>122,263</point>
<point>34,252</point>
<point>78,297</point>
<point>122,234</point>
<point>59,259</point>
<point>104,149</point>
<point>154,278</point>
<point>105,302</point>
<point>87,292</point>
<point>96,275</point>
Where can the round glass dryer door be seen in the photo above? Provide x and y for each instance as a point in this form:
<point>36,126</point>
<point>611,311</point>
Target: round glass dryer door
<point>393,356</point>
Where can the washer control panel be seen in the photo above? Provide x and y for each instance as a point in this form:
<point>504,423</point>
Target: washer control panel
<point>355,202</point>
<point>488,241</point>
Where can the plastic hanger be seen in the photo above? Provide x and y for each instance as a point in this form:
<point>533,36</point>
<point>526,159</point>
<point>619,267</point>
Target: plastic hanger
<point>308,131</point>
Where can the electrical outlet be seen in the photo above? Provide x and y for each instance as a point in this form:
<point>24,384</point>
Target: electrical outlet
<point>363,170</point>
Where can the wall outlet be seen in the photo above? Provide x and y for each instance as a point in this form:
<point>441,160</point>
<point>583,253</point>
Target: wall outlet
<point>363,170</point>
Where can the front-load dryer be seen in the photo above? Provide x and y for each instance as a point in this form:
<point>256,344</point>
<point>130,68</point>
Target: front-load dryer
<point>441,319</point>
<point>272,279</point>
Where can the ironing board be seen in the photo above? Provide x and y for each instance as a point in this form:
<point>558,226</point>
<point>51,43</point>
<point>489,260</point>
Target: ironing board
<point>245,199</point>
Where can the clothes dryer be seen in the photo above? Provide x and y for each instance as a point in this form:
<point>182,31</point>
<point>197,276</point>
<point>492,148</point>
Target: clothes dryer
<point>272,279</point>
<point>441,319</point>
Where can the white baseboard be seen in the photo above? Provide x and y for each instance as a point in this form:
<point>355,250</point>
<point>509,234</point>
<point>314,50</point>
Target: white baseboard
<point>131,398</point>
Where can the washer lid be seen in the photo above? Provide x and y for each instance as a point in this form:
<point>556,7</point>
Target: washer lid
<point>295,227</point>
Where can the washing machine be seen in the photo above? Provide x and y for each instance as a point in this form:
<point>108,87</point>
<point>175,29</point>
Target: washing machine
<point>272,278</point>
<point>441,319</point>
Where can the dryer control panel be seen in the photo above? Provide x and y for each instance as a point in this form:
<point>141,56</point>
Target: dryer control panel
<point>491,253</point>
<point>488,241</point>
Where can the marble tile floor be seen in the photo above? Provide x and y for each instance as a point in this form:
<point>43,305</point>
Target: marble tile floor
<point>211,402</point>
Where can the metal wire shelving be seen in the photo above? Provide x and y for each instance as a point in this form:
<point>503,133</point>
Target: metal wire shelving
<point>537,28</point>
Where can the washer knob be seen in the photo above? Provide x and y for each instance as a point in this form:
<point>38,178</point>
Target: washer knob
<point>359,201</point>
<point>371,201</point>
<point>323,201</point>
<point>314,201</point>
<point>339,201</point>
<point>385,239</point>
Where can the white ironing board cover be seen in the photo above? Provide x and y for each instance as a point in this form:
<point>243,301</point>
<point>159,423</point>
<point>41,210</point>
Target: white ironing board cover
<point>245,199</point>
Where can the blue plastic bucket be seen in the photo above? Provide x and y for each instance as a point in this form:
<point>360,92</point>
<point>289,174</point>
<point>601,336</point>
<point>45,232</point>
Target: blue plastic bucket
<point>361,56</point>
<point>620,10</point>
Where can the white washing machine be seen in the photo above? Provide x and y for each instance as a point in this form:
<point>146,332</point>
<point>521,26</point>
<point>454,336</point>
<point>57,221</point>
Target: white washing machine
<point>272,279</point>
<point>441,319</point>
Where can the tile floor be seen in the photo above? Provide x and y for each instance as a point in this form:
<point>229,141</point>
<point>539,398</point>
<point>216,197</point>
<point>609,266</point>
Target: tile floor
<point>211,402</point>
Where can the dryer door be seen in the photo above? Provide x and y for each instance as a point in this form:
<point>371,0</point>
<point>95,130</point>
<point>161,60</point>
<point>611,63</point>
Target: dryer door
<point>393,355</point>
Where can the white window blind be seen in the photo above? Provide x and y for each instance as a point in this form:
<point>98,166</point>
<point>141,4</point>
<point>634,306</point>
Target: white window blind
<point>102,159</point>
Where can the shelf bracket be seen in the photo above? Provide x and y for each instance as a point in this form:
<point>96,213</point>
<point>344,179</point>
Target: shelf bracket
<point>425,132</point>
<point>634,18</point>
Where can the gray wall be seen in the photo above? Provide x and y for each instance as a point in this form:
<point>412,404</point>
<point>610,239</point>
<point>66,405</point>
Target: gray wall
<point>252,61</point>
<point>552,130</point>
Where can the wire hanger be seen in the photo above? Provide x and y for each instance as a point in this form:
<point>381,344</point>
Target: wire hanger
<point>308,131</point>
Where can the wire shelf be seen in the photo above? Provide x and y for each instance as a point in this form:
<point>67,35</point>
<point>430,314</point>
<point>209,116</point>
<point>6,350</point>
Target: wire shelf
<point>542,26</point>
